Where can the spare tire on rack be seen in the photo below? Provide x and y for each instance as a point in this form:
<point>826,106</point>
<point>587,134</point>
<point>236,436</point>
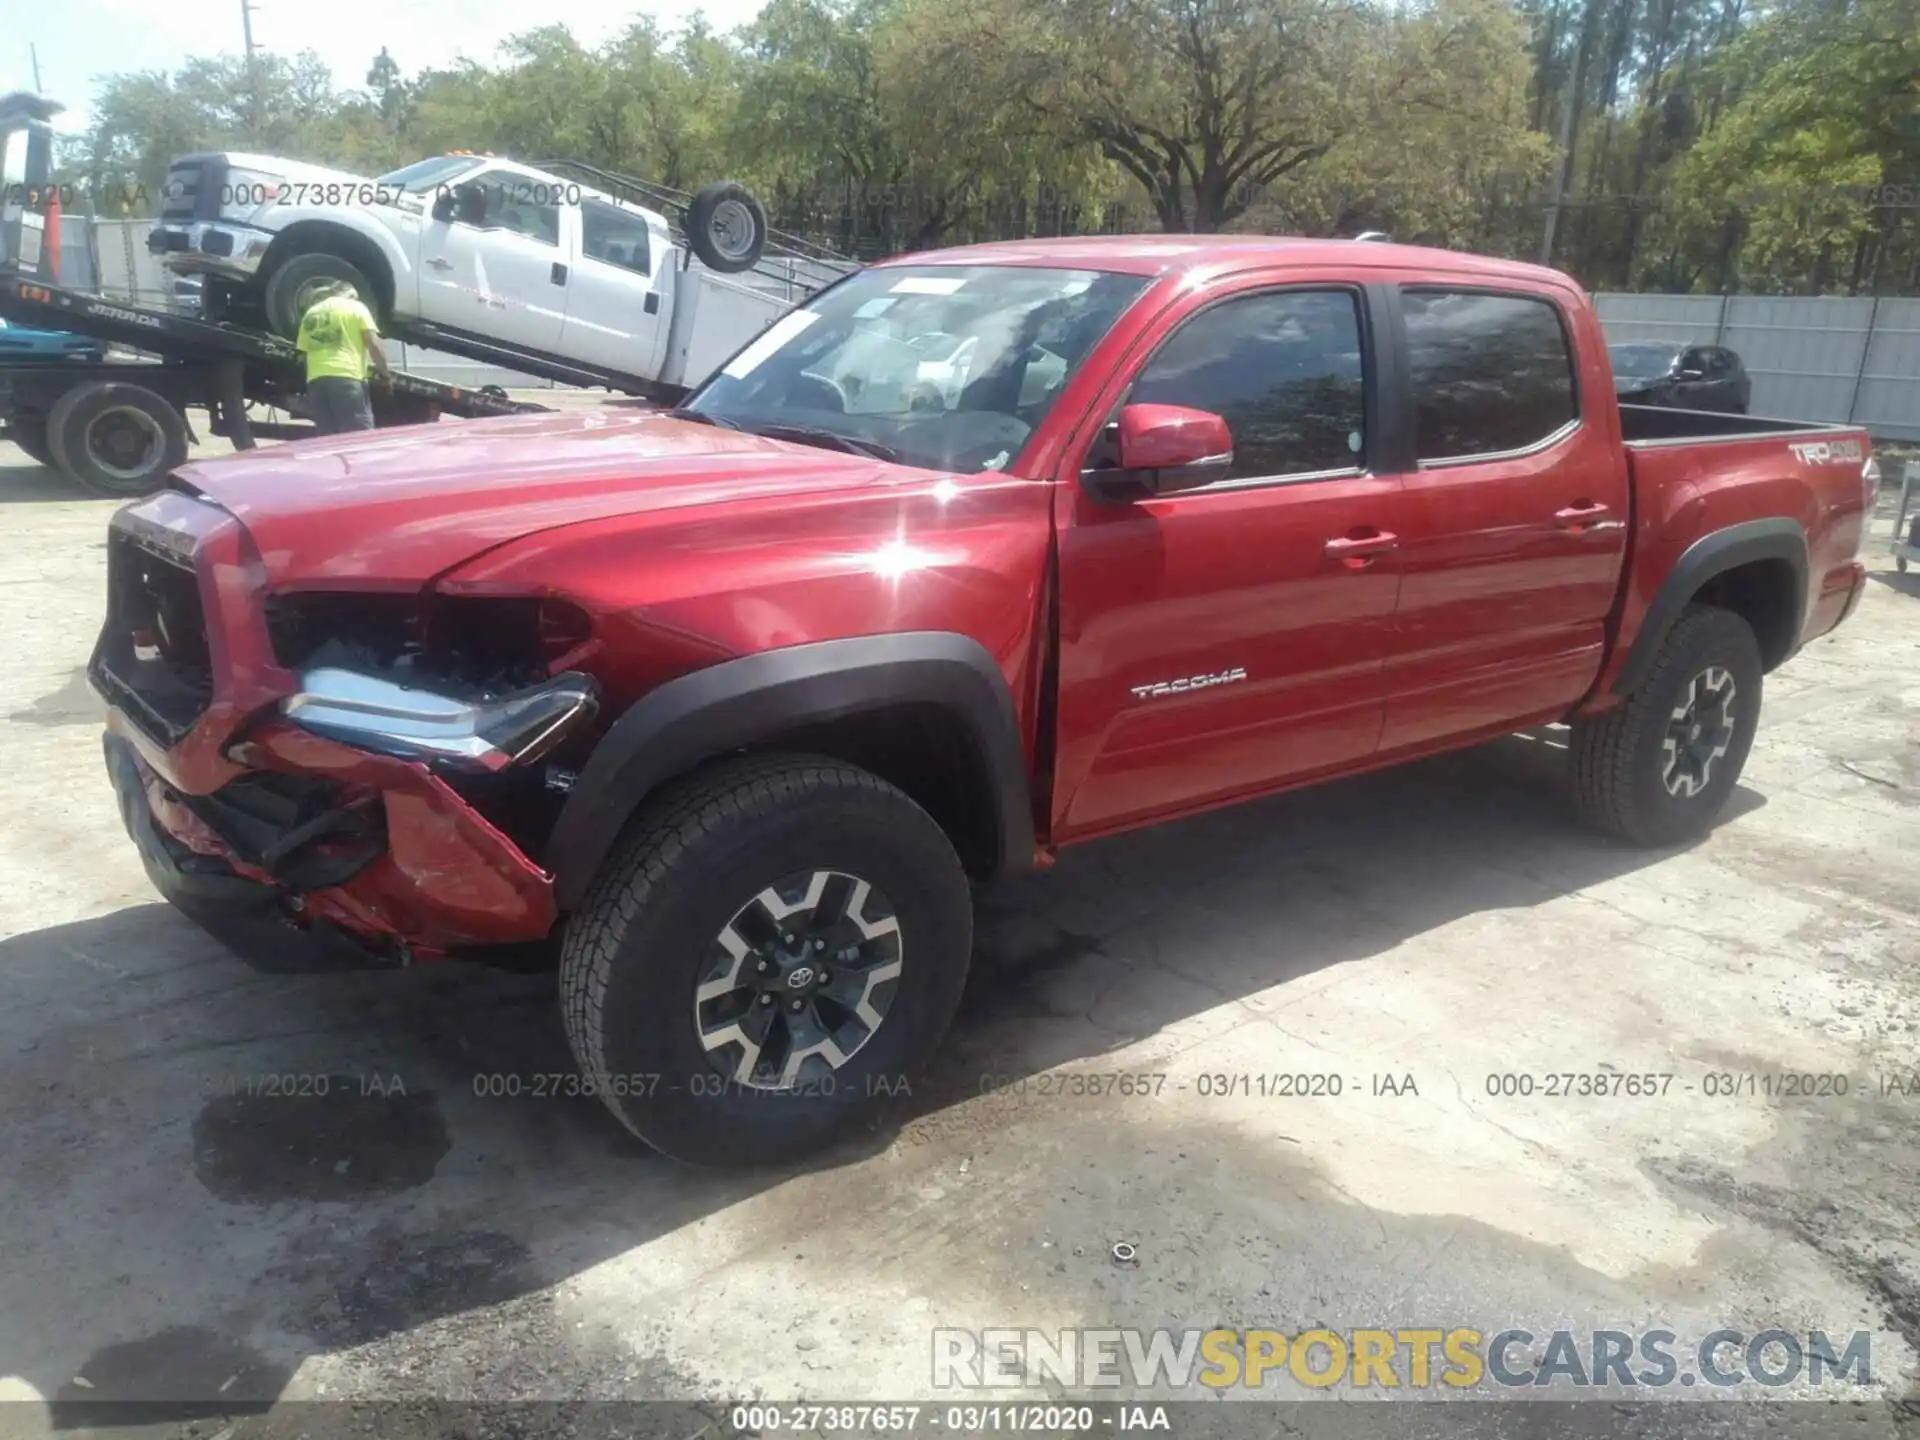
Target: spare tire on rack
<point>727,227</point>
<point>117,439</point>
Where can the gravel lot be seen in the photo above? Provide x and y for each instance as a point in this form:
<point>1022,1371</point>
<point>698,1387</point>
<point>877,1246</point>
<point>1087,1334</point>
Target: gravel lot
<point>170,1236</point>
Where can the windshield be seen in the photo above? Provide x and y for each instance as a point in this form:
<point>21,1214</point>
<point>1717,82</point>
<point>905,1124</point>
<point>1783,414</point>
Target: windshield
<point>425,174</point>
<point>1642,362</point>
<point>946,366</point>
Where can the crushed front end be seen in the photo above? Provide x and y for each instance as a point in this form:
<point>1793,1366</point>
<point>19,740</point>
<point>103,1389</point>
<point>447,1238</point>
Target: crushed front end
<point>385,761</point>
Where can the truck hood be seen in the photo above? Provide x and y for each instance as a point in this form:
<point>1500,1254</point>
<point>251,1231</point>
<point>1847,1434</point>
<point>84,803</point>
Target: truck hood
<point>298,171</point>
<point>397,508</point>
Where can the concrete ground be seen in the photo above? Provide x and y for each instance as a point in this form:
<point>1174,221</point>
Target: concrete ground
<point>173,1233</point>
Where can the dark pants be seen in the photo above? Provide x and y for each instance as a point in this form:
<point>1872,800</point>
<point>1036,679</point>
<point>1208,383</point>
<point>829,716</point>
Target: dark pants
<point>339,405</point>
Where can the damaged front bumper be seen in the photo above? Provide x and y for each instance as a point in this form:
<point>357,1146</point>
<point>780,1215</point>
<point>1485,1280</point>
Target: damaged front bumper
<point>339,792</point>
<point>379,846</point>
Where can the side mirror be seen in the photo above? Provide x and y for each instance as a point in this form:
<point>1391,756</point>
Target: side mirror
<point>1165,448</point>
<point>443,207</point>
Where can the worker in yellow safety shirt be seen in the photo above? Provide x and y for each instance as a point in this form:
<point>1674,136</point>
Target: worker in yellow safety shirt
<point>339,336</point>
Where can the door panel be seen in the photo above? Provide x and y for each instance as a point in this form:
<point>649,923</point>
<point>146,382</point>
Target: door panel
<point>1211,645</point>
<point>615,317</point>
<point>1512,527</point>
<point>505,277</point>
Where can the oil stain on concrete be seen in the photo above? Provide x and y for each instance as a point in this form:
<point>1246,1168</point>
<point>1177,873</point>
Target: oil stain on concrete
<point>392,1281</point>
<point>172,1375</point>
<point>333,1138</point>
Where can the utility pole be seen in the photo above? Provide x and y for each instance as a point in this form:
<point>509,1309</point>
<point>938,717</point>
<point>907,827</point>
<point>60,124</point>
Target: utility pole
<point>253,73</point>
<point>34,55</point>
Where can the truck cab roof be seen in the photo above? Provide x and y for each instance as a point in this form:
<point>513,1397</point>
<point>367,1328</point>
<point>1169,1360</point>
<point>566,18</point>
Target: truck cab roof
<point>1164,254</point>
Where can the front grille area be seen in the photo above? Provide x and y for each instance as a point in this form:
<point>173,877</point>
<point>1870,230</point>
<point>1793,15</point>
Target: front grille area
<point>153,649</point>
<point>192,189</point>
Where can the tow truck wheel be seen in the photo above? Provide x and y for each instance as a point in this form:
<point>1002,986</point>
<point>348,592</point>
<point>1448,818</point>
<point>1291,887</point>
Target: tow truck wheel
<point>727,227</point>
<point>778,943</point>
<point>296,283</point>
<point>118,440</point>
<point>1657,768</point>
<point>29,432</point>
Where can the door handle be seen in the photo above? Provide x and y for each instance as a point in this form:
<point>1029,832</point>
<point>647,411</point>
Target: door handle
<point>438,263</point>
<point>1360,548</point>
<point>1585,515</point>
<point>559,275</point>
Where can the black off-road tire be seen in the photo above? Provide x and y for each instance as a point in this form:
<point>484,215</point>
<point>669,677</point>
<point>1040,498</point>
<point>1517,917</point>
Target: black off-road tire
<point>83,421</point>
<point>633,955</point>
<point>1619,760</point>
<point>727,227</point>
<point>284,302</point>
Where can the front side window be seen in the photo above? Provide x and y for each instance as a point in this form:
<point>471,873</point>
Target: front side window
<point>1284,369</point>
<point>947,366</point>
<point>511,202</point>
<point>615,236</point>
<point>1490,373</point>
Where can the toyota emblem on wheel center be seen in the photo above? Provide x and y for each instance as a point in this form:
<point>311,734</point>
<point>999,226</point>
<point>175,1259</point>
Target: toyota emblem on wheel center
<point>801,977</point>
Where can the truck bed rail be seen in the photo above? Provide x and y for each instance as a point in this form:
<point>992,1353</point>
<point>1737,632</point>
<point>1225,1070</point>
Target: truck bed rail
<point>792,260</point>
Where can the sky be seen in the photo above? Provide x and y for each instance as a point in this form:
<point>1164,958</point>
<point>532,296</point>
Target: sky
<point>79,40</point>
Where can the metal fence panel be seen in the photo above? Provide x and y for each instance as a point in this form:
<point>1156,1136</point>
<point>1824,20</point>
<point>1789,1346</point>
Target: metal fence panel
<point>1888,402</point>
<point>1836,358</point>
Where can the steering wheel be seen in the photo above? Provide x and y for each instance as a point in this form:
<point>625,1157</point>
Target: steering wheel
<point>816,392</point>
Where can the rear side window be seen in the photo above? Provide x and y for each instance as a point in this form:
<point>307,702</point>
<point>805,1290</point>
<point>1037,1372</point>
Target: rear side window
<point>1283,369</point>
<point>1490,373</point>
<point>616,236</point>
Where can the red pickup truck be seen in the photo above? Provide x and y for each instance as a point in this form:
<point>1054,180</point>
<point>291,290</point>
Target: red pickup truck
<point>979,554</point>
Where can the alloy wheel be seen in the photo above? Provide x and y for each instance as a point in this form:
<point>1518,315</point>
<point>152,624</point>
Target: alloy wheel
<point>799,980</point>
<point>1699,732</point>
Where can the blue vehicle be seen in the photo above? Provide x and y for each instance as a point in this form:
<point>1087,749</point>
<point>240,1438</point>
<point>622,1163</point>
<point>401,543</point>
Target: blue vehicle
<point>39,346</point>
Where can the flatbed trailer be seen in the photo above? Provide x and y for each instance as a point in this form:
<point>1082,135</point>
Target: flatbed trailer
<point>118,426</point>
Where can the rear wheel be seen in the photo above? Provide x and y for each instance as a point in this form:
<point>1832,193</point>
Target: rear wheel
<point>118,440</point>
<point>778,942</point>
<point>299,280</point>
<point>1657,768</point>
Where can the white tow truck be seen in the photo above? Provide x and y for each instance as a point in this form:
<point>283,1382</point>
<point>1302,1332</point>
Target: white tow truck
<point>560,270</point>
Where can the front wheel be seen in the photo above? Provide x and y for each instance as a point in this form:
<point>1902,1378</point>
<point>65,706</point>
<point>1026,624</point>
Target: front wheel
<point>1657,768</point>
<point>780,941</point>
<point>300,280</point>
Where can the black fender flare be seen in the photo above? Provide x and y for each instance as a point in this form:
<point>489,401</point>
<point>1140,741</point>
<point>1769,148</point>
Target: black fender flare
<point>736,703</point>
<point>1715,553</point>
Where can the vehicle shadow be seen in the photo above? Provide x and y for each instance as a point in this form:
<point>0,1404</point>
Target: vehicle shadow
<point>227,1163</point>
<point>1906,582</point>
<point>24,481</point>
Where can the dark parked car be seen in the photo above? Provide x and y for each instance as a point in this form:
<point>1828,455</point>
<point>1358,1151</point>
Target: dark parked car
<point>1686,377</point>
